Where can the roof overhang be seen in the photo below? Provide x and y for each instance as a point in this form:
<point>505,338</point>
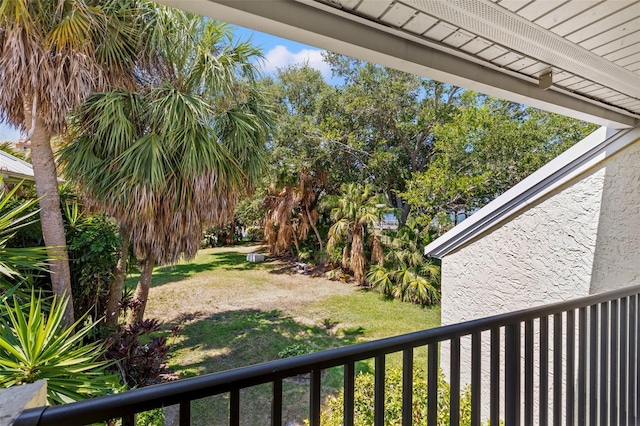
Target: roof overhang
<point>595,90</point>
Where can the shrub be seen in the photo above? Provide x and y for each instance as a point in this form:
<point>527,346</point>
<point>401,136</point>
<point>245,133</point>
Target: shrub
<point>406,274</point>
<point>296,349</point>
<point>151,417</point>
<point>219,236</point>
<point>34,345</point>
<point>364,401</point>
<point>139,357</point>
<point>255,234</point>
<point>93,244</point>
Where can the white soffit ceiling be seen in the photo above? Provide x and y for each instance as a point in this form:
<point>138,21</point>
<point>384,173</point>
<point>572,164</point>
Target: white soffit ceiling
<point>592,47</point>
<point>496,47</point>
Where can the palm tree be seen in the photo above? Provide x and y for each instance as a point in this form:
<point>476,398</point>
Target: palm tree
<point>52,55</point>
<point>358,208</point>
<point>405,273</point>
<point>293,210</point>
<point>171,158</point>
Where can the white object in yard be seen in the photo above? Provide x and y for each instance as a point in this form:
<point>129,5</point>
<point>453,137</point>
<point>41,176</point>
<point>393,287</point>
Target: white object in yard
<point>255,257</point>
<point>302,268</point>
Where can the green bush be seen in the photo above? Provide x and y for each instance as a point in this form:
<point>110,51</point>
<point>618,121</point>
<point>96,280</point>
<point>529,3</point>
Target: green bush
<point>34,345</point>
<point>296,349</point>
<point>220,236</point>
<point>151,417</point>
<point>364,399</point>
<point>93,243</point>
<point>255,234</point>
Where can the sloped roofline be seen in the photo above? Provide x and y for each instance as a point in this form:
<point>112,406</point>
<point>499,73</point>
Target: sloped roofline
<point>14,167</point>
<point>581,157</point>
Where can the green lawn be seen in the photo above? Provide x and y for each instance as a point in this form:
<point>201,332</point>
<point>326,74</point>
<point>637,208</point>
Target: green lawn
<point>233,313</point>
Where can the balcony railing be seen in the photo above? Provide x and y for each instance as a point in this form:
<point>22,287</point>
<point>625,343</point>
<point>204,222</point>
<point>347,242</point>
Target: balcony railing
<point>582,370</point>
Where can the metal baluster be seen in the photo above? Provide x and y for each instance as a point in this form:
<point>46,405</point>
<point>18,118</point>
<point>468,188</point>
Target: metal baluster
<point>454,419</point>
<point>349,377</point>
<point>593,364</point>
<point>234,407</point>
<point>622,394</point>
<point>494,412</point>
<point>276,403</point>
<point>407,387</point>
<point>378,413</point>
<point>314,398</point>
<point>604,362</point>
<point>613,376</point>
<point>512,374</point>
<point>544,371</point>
<point>557,368</point>
<point>185,413</point>
<point>582,366</point>
<point>476,356</point>
<point>570,373</point>
<point>432,383</point>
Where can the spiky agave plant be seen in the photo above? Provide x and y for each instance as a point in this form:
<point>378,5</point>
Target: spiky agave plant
<point>35,345</point>
<point>14,261</point>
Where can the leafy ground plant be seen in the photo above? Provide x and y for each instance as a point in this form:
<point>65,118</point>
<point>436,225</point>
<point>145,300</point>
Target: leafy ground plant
<point>364,401</point>
<point>35,345</point>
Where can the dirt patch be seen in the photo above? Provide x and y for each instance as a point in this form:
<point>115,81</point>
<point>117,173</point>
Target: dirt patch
<point>266,286</point>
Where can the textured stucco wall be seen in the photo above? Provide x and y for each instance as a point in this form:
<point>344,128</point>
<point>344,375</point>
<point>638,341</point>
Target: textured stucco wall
<point>581,239</point>
<point>617,256</point>
<point>544,254</point>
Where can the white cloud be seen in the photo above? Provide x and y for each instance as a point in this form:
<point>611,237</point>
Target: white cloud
<point>280,57</point>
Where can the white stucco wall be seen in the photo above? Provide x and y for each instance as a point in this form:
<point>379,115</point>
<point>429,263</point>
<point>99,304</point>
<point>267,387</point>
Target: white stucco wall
<point>581,239</point>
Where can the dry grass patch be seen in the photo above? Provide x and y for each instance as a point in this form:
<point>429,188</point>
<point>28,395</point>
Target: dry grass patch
<point>233,313</point>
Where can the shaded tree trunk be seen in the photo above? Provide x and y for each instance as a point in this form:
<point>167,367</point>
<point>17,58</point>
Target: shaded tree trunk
<point>358,261</point>
<point>44,170</point>
<point>119,274</point>
<point>315,229</point>
<point>142,289</point>
<point>377,253</point>
<point>345,257</point>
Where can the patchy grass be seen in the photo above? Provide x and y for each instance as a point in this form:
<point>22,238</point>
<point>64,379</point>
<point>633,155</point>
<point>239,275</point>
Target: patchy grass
<point>233,313</point>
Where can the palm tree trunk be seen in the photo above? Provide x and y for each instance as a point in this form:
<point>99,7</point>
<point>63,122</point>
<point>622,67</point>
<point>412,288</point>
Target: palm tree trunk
<point>44,170</point>
<point>315,229</point>
<point>117,282</point>
<point>142,290</point>
<point>345,257</point>
<point>358,261</point>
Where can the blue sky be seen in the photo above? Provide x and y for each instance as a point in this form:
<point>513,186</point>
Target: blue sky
<point>278,53</point>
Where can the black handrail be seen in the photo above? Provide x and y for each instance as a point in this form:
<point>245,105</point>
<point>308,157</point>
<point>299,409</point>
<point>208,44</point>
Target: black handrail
<point>127,403</point>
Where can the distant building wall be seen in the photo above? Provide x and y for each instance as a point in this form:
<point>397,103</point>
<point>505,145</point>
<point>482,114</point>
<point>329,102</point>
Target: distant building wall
<point>581,239</point>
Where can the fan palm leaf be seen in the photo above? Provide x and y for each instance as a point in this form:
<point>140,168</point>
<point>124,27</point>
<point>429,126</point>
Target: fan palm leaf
<point>172,157</point>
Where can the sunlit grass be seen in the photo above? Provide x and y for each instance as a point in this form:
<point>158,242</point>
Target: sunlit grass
<point>233,313</point>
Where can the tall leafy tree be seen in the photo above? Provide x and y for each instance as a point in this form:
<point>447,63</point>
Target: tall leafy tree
<point>382,122</point>
<point>299,161</point>
<point>171,157</point>
<point>490,146</point>
<point>52,55</point>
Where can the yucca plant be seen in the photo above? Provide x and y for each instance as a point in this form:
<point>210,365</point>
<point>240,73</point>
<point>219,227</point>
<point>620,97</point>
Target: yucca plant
<point>35,345</point>
<point>14,261</point>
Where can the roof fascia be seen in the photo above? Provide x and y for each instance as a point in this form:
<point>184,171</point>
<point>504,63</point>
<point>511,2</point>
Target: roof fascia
<point>578,159</point>
<point>329,28</point>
